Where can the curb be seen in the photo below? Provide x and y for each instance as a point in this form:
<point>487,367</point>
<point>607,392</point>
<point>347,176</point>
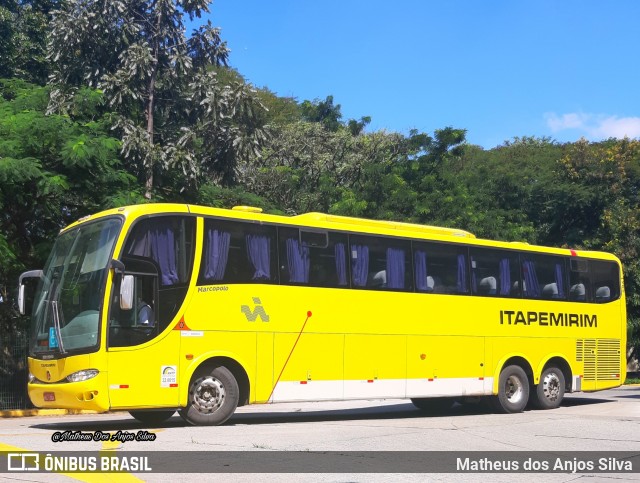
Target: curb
<point>20,413</point>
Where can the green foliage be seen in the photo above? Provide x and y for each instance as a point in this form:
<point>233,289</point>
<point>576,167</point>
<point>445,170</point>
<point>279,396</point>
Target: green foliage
<point>219,197</point>
<point>53,170</point>
<point>23,31</point>
<point>177,109</point>
<point>324,112</point>
<point>278,111</point>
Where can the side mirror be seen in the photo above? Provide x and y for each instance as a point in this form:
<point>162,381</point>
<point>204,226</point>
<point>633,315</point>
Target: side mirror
<point>126,292</point>
<point>25,294</point>
<point>21,300</point>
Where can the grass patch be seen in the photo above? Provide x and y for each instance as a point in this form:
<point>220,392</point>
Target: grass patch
<point>632,380</point>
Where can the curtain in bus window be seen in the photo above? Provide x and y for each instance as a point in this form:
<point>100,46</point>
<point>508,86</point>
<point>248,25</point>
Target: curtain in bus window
<point>462,274</point>
<point>531,287</point>
<point>420,262</point>
<point>360,264</point>
<point>258,250</point>
<point>474,277</point>
<point>559,280</point>
<point>163,251</point>
<point>297,261</point>
<point>505,277</point>
<point>217,254</point>
<point>395,268</point>
<point>158,243</point>
<point>341,263</point>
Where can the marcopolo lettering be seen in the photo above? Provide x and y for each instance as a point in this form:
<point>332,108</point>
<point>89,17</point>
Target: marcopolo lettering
<point>551,319</point>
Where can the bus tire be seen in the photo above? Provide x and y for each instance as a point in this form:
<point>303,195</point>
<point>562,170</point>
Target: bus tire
<point>433,405</point>
<point>213,397</point>
<point>152,417</point>
<point>513,390</point>
<point>550,390</point>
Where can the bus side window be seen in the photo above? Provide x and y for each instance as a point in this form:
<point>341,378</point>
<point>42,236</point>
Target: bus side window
<point>380,263</point>
<point>440,268</point>
<point>313,258</point>
<point>494,272</point>
<point>579,282</point>
<point>238,252</point>
<point>165,242</point>
<point>605,281</point>
<point>544,277</point>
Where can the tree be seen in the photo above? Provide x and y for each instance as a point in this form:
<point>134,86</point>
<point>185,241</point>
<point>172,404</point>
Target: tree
<point>510,187</point>
<point>173,113</point>
<point>610,172</point>
<point>23,25</point>
<point>305,167</point>
<point>48,165</point>
<point>325,112</point>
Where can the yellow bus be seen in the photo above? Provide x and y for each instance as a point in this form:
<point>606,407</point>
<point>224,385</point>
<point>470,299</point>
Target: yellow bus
<point>164,307</point>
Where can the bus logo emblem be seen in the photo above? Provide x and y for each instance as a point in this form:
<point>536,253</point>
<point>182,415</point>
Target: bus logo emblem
<point>258,311</point>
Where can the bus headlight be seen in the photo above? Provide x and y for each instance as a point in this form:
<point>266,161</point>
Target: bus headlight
<point>82,375</point>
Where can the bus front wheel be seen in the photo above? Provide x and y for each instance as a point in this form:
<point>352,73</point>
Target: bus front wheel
<point>550,391</point>
<point>213,397</point>
<point>513,390</point>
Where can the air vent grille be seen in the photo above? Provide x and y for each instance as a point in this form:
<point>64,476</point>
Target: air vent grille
<point>601,358</point>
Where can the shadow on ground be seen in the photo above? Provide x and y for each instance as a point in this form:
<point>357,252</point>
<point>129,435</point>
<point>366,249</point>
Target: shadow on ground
<point>394,411</point>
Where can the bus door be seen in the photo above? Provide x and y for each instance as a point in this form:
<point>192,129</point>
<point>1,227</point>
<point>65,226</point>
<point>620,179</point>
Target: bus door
<point>142,347</point>
<point>142,357</point>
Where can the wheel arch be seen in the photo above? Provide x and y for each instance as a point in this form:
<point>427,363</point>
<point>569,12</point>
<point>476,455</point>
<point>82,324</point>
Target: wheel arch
<point>513,360</point>
<point>559,361</point>
<point>207,364</point>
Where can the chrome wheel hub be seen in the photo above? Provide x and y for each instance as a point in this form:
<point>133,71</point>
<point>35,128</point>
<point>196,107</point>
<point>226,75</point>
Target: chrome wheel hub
<point>551,386</point>
<point>514,389</point>
<point>209,395</point>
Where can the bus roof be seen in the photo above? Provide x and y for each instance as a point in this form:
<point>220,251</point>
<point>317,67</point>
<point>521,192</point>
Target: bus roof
<point>335,222</point>
<point>348,221</point>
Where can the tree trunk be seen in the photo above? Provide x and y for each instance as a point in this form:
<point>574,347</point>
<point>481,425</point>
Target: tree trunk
<point>149,165</point>
<point>148,185</point>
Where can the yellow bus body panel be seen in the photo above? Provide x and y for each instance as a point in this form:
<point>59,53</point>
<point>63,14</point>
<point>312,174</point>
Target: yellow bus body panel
<point>309,343</point>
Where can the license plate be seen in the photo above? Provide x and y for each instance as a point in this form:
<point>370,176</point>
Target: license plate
<point>49,396</point>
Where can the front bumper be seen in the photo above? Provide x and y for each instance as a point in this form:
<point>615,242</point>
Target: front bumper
<point>91,395</point>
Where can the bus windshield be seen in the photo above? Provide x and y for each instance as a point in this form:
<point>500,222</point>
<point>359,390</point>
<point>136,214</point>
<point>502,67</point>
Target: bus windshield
<point>69,296</point>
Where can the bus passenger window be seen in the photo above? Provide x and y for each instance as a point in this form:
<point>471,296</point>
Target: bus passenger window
<point>440,268</point>
<point>544,277</point>
<point>313,258</point>
<point>605,280</point>
<point>494,272</point>
<point>380,263</point>
<point>237,252</point>
<point>294,257</point>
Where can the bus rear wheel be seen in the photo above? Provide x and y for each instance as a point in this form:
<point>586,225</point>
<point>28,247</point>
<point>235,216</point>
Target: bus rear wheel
<point>213,397</point>
<point>152,417</point>
<point>550,390</point>
<point>513,390</point>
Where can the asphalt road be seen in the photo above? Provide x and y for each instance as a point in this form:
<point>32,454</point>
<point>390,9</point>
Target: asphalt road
<point>603,421</point>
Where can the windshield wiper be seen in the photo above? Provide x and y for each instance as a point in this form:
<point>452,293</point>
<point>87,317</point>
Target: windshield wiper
<point>56,325</point>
